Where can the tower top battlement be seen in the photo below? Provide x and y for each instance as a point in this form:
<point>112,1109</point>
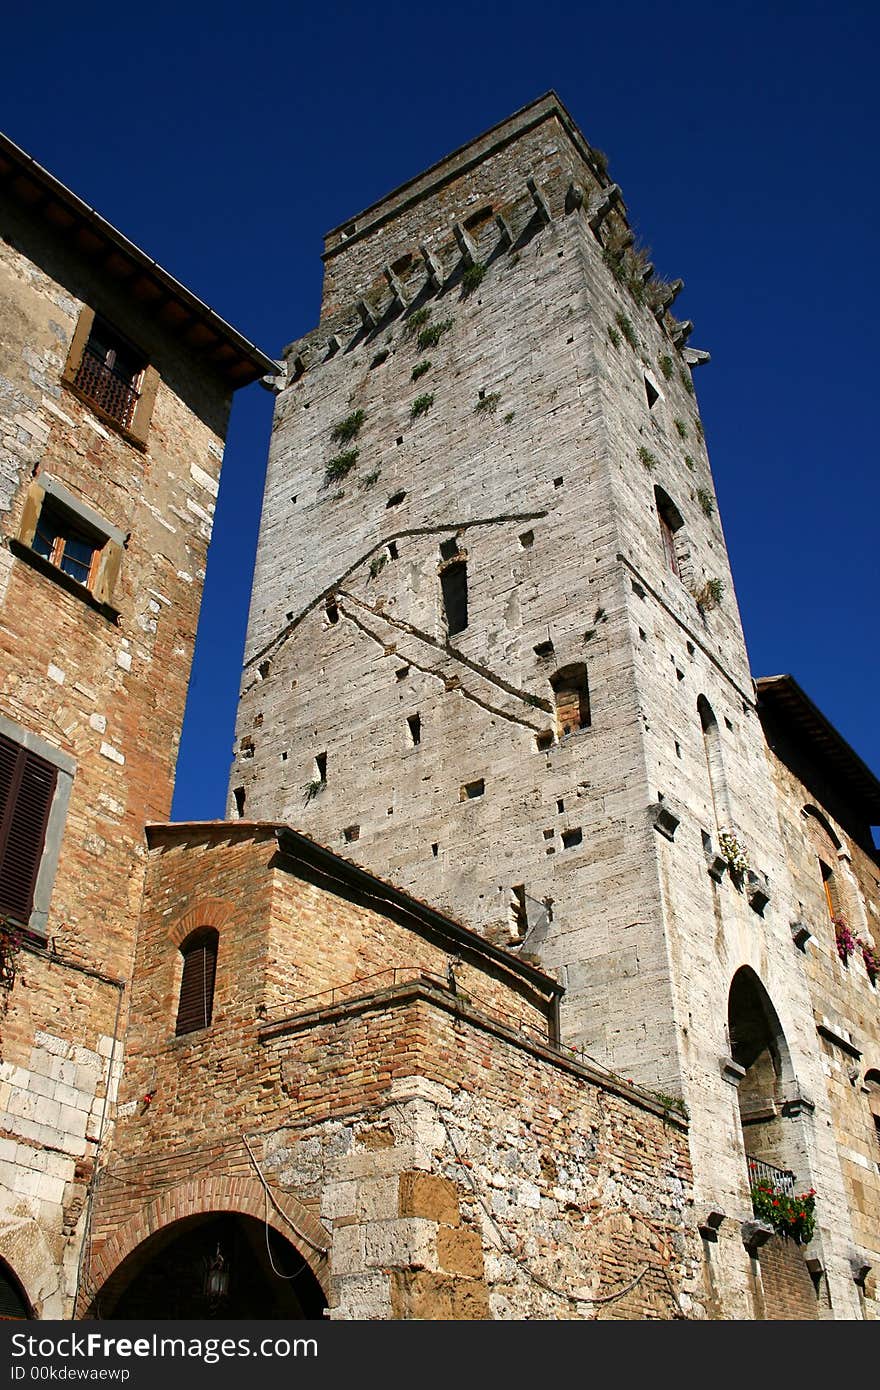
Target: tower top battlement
<point>478,181</point>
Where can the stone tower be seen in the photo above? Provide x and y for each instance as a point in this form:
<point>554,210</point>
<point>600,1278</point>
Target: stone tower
<point>494,653</point>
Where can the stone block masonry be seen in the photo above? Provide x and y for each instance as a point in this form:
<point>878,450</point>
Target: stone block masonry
<point>494,651</point>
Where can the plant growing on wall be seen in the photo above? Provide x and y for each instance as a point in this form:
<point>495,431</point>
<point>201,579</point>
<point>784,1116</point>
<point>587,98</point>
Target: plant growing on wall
<point>649,459</point>
<point>615,337</point>
<point>487,404</point>
<point>417,319</point>
<point>369,479</point>
<point>349,428</point>
<point>377,564</point>
<point>706,501</point>
<point>419,370</point>
<point>682,429</point>
<point>311,789</point>
<point>735,854</point>
<point>626,328</point>
<point>789,1215</point>
<point>421,405</point>
<point>710,595</point>
<point>472,278</point>
<point>687,381</point>
<point>430,336</point>
<point>843,938</point>
<point>666,365</point>
<point>338,467</point>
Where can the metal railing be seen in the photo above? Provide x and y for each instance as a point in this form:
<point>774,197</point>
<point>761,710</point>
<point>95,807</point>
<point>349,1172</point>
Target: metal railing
<point>106,387</point>
<point>780,1179</point>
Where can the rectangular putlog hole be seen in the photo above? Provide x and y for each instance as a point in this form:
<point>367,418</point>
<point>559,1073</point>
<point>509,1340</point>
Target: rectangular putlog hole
<point>471,790</point>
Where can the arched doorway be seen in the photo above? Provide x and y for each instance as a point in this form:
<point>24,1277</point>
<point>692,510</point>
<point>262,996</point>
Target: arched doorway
<point>758,1045</point>
<point>218,1264</point>
<point>775,1152</point>
<point>13,1300</point>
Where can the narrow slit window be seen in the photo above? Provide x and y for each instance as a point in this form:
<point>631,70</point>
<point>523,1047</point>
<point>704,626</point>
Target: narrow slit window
<point>321,767</point>
<point>651,393</point>
<point>671,524</point>
<point>414,723</point>
<point>454,586</point>
<point>572,699</point>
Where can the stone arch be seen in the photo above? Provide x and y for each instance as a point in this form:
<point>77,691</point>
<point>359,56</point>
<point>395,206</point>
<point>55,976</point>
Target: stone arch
<point>770,1104</point>
<point>202,1197</point>
<point>25,1252</point>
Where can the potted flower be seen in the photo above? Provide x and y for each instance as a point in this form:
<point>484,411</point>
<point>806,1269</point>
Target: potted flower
<point>871,957</point>
<point>788,1214</point>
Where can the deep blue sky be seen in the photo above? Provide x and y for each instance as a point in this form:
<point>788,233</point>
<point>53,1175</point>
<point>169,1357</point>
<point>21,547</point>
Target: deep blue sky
<point>226,139</point>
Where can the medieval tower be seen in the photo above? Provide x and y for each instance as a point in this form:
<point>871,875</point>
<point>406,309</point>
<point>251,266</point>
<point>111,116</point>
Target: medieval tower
<point>494,653</point>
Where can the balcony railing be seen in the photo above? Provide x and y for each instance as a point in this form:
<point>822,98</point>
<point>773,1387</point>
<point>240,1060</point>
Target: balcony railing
<point>113,392</point>
<point>780,1179</point>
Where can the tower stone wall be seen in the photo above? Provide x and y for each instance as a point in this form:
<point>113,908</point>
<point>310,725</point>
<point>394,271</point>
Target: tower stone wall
<point>498,401</point>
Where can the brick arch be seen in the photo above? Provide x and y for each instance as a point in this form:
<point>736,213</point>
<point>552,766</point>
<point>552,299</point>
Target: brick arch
<point>207,912</point>
<point>203,1197</point>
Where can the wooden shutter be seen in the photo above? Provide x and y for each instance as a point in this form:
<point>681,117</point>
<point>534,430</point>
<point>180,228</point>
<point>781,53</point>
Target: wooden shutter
<point>13,1303</point>
<point>197,984</point>
<point>27,785</point>
<point>668,535</point>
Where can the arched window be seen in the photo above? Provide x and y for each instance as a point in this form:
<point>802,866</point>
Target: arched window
<point>571,696</point>
<point>199,952</point>
<point>825,846</point>
<point>671,530</point>
<point>714,762</point>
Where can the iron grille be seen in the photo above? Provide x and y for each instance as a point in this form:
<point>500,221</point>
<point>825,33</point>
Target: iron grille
<point>780,1179</point>
<point>107,387</point>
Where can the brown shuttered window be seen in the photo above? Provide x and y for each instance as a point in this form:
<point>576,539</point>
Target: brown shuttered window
<point>27,785</point>
<point>199,952</point>
<point>13,1303</point>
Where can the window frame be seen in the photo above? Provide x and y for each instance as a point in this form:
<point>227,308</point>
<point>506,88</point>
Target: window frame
<point>110,542</point>
<point>65,769</point>
<point>137,430</point>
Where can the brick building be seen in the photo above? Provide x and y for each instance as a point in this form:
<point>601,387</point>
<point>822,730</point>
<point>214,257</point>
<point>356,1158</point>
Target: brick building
<point>115,387</point>
<point>525,951</point>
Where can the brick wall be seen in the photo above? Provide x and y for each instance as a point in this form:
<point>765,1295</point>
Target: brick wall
<point>106,689</point>
<point>451,1162</point>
